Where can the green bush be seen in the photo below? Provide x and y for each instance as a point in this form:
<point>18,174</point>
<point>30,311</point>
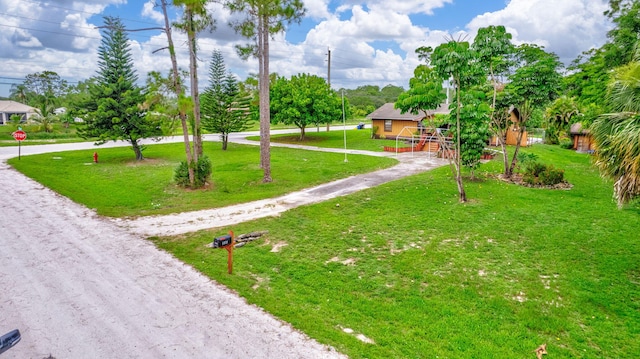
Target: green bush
<point>524,159</point>
<point>566,143</point>
<point>551,176</point>
<point>534,168</point>
<point>537,174</point>
<point>202,172</point>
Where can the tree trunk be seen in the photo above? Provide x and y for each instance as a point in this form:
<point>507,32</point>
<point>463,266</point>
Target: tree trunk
<point>195,96</point>
<point>136,149</point>
<point>462,195</point>
<point>225,141</point>
<point>177,86</point>
<point>265,117</point>
<point>501,136</point>
<point>505,158</point>
<point>525,113</point>
<point>302,133</point>
<point>514,160</point>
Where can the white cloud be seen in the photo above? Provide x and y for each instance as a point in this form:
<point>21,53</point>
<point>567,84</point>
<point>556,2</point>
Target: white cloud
<point>565,27</point>
<point>405,7</point>
<point>371,42</point>
<point>317,9</point>
<point>149,10</point>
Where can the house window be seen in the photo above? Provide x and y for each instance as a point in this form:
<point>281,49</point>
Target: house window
<point>387,125</point>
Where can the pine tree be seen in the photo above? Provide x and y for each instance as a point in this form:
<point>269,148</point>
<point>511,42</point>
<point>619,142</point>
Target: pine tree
<point>114,109</point>
<point>224,108</point>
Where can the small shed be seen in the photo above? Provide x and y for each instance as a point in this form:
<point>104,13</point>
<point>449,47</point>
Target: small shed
<point>582,140</point>
<point>512,131</point>
<point>389,122</point>
<point>10,108</point>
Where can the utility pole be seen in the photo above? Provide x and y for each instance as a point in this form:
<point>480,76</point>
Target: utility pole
<point>329,66</point>
<point>328,75</point>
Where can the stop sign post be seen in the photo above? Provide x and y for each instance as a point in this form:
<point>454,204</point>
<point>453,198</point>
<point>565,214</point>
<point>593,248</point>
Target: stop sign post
<point>20,136</point>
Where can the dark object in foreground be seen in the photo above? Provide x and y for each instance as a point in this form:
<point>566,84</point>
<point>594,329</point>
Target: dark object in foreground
<point>9,340</point>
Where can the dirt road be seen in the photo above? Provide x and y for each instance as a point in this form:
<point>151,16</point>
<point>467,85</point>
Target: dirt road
<point>78,286</point>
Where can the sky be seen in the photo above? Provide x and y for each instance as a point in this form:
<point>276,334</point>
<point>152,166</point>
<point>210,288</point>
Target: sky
<point>371,42</point>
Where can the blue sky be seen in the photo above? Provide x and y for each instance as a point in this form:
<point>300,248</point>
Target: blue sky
<point>372,42</point>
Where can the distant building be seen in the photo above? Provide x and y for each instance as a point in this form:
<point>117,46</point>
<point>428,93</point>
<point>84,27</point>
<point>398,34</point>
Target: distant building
<point>582,140</point>
<point>10,108</point>
<point>389,122</point>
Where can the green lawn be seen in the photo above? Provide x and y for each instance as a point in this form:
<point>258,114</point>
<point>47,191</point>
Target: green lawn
<point>119,186</point>
<point>355,139</point>
<point>403,264</point>
<point>36,136</point>
<point>422,276</point>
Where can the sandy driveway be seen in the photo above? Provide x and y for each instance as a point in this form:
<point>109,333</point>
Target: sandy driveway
<point>81,286</point>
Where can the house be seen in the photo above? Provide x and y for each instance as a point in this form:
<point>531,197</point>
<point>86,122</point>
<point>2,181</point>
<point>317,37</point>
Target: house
<point>388,122</point>
<point>512,132</point>
<point>10,108</point>
<point>582,140</point>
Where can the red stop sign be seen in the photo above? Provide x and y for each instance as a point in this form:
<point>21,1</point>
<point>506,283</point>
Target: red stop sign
<point>20,135</point>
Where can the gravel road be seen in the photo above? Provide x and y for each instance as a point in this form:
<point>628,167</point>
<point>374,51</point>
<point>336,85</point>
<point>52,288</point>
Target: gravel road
<point>79,286</point>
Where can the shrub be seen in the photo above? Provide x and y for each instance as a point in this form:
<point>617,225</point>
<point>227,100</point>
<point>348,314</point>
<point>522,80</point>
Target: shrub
<point>524,159</point>
<point>551,176</point>
<point>534,168</point>
<point>566,143</point>
<point>537,174</point>
<point>202,172</point>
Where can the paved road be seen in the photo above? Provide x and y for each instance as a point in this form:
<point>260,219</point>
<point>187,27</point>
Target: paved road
<point>78,285</point>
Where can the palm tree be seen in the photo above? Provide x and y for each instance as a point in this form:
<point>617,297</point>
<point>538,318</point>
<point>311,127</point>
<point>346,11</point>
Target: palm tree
<point>19,93</point>
<point>45,116</point>
<point>559,117</point>
<point>616,134</point>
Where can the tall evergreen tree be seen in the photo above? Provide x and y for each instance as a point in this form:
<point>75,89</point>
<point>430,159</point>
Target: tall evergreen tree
<point>115,105</point>
<point>224,108</point>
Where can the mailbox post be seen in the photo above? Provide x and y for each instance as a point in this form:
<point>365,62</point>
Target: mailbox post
<point>227,242</point>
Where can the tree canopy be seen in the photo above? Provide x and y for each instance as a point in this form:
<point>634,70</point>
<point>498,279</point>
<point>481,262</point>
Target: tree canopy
<point>304,100</point>
<point>534,84</point>
<point>616,135</point>
<point>224,108</point>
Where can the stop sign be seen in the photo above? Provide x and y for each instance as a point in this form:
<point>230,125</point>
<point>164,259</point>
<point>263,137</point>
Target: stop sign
<point>20,135</point>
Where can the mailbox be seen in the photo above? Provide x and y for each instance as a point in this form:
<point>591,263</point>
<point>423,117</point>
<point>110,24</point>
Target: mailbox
<point>222,241</point>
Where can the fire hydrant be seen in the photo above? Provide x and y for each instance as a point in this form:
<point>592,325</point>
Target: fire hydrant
<point>95,157</point>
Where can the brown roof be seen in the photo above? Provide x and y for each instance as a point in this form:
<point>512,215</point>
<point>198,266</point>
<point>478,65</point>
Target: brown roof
<point>576,129</point>
<point>388,112</point>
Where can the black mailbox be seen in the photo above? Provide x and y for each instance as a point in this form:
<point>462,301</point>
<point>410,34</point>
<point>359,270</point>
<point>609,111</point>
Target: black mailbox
<point>222,241</point>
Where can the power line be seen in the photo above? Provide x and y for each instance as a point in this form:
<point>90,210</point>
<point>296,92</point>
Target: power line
<point>46,4</point>
<point>51,32</point>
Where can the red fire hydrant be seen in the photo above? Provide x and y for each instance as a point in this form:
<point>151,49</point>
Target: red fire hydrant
<point>95,157</point>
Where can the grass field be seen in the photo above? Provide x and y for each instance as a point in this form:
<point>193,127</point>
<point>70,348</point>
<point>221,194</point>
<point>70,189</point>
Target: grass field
<point>119,186</point>
<point>355,139</point>
<point>403,270</point>
<point>419,275</point>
